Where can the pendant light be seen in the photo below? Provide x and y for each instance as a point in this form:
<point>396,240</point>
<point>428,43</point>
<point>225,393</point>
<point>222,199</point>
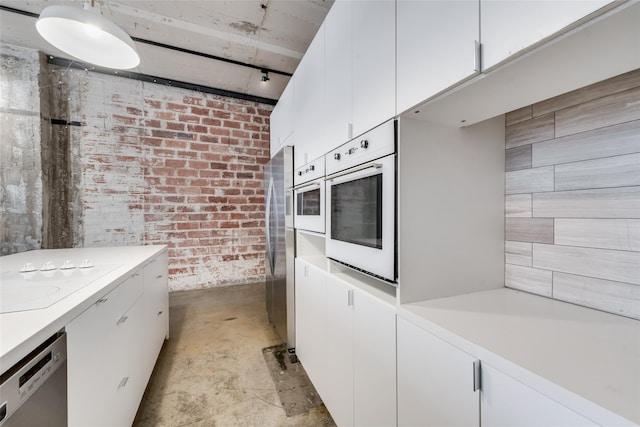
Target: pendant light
<point>88,36</point>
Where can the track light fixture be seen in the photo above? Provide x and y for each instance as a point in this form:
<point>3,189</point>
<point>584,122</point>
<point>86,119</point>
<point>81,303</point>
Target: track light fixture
<point>88,36</point>
<point>265,76</point>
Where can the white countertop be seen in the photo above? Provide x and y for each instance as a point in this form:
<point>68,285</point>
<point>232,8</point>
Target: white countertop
<point>574,355</point>
<point>22,331</point>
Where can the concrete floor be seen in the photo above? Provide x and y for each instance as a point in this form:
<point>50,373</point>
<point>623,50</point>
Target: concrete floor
<point>211,372</point>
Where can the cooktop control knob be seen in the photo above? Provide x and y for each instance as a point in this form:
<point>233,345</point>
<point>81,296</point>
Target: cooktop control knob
<point>336,156</point>
<point>48,266</point>
<point>86,264</point>
<point>364,144</point>
<point>28,267</point>
<point>67,265</point>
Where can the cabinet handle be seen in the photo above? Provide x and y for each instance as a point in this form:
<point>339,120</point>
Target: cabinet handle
<point>477,59</point>
<point>122,320</point>
<point>135,274</point>
<point>160,312</point>
<point>159,276</point>
<point>123,382</point>
<point>477,378</point>
<point>350,297</point>
<point>306,271</point>
<point>101,300</point>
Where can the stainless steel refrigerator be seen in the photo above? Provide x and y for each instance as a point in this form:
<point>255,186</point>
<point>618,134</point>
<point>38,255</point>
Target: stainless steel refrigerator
<point>280,246</point>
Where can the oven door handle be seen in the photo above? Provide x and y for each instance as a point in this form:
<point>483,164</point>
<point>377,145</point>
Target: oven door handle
<point>306,186</point>
<point>354,170</point>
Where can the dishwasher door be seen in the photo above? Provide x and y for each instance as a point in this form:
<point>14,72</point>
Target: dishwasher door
<point>34,391</point>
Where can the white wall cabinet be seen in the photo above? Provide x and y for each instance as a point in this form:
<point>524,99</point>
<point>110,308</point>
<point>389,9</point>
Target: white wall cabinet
<point>436,47</point>
<point>112,348</point>
<point>373,26</point>
<point>338,75</point>
<point>508,27</point>
<point>281,122</point>
<point>435,381</point>
<point>309,103</point>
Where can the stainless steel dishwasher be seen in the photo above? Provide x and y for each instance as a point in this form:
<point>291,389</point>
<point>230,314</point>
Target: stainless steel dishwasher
<point>34,391</point>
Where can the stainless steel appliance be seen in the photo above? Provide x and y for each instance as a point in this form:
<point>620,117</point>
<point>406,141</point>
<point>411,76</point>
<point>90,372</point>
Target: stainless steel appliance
<point>309,208</point>
<point>361,197</point>
<point>34,391</point>
<point>280,251</point>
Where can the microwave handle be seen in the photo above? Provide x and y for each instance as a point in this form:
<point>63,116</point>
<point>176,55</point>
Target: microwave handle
<point>358,169</point>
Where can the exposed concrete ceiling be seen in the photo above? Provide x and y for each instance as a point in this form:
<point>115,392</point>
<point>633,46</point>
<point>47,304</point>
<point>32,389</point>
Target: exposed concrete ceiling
<point>269,34</point>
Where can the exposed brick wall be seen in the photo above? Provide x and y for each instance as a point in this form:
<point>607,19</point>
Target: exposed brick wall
<point>162,165</point>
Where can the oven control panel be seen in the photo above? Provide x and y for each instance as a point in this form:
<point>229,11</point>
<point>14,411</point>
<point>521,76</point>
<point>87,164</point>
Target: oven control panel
<point>377,143</point>
<point>309,172</point>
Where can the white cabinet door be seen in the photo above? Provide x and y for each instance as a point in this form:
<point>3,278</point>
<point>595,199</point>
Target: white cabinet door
<point>339,113</point>
<point>309,103</point>
<point>340,364</point>
<point>507,402</point>
<point>281,121</point>
<point>156,317</point>
<point>128,359</point>
<point>374,361</point>
<point>436,47</point>
<point>510,26</point>
<point>102,350</point>
<point>373,53</point>
<point>435,381</point>
<point>311,321</point>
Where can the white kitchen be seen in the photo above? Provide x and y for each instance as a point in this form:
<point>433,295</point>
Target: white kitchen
<point>428,216</point>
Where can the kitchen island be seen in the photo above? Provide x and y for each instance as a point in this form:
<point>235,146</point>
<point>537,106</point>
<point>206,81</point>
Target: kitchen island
<point>112,302</point>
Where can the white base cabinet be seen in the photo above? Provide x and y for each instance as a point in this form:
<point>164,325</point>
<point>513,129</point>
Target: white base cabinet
<point>507,402</point>
<point>112,348</point>
<point>310,321</point>
<point>353,334</point>
<point>435,381</point>
<point>441,385</point>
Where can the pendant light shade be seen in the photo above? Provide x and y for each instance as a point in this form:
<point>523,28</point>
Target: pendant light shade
<point>88,36</point>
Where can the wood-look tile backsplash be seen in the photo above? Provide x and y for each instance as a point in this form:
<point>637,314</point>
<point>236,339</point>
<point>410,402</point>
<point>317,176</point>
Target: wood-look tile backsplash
<point>573,197</point>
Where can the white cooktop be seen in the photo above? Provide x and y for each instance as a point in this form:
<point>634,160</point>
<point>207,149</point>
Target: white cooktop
<point>34,287</point>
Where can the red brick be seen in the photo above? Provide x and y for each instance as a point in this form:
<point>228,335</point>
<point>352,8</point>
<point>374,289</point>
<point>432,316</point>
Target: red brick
<point>211,122</point>
<point>175,125</point>
<point>176,107</point>
<point>197,128</point>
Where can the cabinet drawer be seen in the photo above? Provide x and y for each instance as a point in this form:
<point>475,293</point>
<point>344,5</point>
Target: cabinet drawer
<point>94,324</point>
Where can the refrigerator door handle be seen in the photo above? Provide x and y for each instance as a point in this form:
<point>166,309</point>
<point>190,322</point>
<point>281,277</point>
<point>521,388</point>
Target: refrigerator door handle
<point>271,248</point>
